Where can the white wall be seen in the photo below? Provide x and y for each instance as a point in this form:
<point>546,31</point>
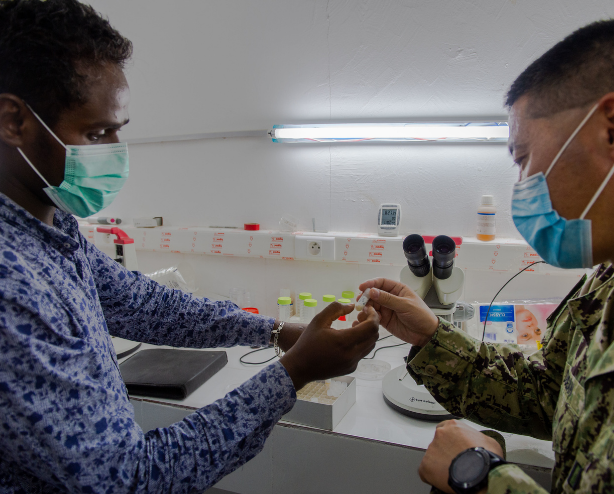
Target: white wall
<point>225,65</point>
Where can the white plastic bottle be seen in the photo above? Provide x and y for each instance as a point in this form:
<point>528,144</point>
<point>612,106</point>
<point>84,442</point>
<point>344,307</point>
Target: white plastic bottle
<point>486,219</point>
<point>351,296</point>
<point>326,301</point>
<point>300,304</point>
<point>284,308</point>
<point>309,310</point>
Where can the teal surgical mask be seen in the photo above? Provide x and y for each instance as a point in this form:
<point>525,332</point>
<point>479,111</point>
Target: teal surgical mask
<point>93,176</point>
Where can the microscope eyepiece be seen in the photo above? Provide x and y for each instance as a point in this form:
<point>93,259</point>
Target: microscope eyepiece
<point>444,250</point>
<point>416,255</point>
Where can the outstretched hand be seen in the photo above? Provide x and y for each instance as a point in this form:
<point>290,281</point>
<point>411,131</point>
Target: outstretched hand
<point>322,352</point>
<point>401,311</point>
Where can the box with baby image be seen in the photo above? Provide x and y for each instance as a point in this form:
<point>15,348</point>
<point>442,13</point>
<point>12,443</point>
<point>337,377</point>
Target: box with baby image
<point>322,404</point>
<point>523,324</point>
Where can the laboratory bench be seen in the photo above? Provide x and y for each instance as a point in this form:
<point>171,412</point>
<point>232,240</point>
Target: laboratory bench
<point>372,449</point>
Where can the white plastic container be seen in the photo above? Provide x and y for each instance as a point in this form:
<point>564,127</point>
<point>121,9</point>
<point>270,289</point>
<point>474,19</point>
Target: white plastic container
<point>309,309</point>
<point>351,317</point>
<point>487,214</point>
<point>326,301</point>
<point>300,304</point>
<point>284,308</point>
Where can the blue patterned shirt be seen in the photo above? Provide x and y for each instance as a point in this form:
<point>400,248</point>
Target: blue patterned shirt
<point>66,423</point>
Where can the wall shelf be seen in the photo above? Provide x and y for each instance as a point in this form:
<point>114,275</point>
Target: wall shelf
<point>352,248</point>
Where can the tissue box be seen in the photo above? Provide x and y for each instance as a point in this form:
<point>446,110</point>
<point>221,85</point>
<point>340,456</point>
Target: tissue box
<point>322,415</point>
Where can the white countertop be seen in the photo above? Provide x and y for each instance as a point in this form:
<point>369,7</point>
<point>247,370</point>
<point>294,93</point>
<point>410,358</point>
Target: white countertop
<point>370,417</point>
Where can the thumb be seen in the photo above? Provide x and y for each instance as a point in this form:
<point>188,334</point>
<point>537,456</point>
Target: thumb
<point>331,313</point>
<point>388,300</point>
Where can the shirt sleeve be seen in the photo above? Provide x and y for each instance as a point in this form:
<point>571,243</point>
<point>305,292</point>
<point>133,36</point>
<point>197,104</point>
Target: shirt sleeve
<point>137,308</point>
<point>510,479</point>
<point>491,384</point>
<point>66,420</point>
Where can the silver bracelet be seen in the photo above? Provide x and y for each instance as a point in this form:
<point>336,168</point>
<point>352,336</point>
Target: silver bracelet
<point>278,351</point>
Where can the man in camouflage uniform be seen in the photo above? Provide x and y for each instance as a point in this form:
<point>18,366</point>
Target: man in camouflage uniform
<point>565,391</point>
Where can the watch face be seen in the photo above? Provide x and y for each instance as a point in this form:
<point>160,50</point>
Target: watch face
<point>469,468</point>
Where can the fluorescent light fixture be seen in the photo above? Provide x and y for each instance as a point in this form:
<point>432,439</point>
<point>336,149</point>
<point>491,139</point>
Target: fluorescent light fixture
<point>396,132</point>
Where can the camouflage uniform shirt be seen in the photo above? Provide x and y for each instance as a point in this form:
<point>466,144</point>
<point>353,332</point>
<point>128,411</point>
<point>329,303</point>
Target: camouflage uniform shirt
<point>563,393</point>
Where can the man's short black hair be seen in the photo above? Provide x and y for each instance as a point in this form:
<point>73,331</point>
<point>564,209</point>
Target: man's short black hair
<point>45,46</point>
<point>572,74</point>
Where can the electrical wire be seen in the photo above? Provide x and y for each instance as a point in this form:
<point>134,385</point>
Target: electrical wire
<point>273,358</point>
<point>255,351</point>
<point>496,294</point>
<point>383,347</point>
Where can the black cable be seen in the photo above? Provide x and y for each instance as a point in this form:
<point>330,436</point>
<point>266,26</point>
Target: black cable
<point>255,351</point>
<point>382,347</point>
<point>273,358</point>
<point>493,299</point>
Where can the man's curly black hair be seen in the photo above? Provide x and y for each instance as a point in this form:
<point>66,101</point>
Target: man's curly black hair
<point>46,47</point>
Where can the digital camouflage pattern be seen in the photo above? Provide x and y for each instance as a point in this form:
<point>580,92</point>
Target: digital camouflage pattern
<point>563,393</point>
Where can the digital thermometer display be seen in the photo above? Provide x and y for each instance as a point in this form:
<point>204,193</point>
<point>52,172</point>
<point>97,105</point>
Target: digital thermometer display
<point>389,217</point>
<point>388,220</point>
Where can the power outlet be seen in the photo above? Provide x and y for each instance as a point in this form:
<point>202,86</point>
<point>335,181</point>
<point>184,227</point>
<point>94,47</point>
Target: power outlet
<point>313,248</point>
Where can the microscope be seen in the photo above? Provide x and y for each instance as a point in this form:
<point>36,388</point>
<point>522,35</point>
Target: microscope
<point>440,285</point>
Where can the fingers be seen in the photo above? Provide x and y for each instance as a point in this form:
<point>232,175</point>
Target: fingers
<point>366,328</point>
<point>383,284</point>
<point>385,299</point>
<point>331,313</point>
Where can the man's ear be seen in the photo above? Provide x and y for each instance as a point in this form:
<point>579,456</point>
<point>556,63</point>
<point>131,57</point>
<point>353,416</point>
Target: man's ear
<point>14,120</point>
<point>607,103</point>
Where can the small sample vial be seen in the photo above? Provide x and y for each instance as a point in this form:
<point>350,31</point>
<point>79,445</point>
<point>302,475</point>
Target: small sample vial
<point>300,304</point>
<point>309,309</point>
<point>486,219</point>
<point>362,301</point>
<point>284,308</point>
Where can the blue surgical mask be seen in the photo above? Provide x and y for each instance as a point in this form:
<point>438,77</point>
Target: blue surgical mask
<point>93,176</point>
<point>560,242</point>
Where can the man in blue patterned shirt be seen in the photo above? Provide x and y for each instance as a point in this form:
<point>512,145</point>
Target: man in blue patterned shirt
<point>66,423</point>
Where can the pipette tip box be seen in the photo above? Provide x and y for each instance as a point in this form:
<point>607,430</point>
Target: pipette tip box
<point>324,415</point>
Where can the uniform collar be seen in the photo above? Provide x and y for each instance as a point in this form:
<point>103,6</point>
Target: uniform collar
<point>62,235</point>
<point>586,310</point>
<point>591,312</point>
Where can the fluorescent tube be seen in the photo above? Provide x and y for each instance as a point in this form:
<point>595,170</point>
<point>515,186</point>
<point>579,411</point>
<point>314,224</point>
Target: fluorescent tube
<point>452,132</point>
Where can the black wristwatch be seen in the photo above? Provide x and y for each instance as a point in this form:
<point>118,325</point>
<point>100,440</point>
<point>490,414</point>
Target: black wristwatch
<point>469,470</point>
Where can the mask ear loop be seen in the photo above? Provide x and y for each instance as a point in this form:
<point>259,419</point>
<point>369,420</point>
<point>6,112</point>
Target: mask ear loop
<point>33,167</point>
<point>598,193</point>
<point>571,137</point>
<point>46,126</point>
<point>51,132</point>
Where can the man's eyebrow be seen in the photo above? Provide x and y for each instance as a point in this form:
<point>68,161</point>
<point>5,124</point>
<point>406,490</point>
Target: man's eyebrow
<point>110,125</point>
<point>519,148</point>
